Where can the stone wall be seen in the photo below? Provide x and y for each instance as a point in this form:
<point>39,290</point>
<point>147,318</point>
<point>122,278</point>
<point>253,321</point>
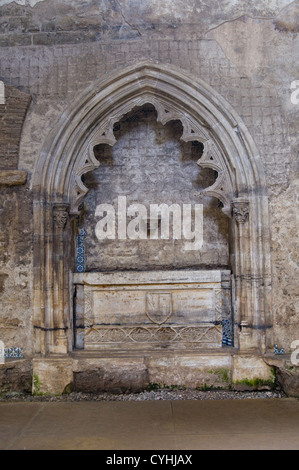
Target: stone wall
<point>247,51</point>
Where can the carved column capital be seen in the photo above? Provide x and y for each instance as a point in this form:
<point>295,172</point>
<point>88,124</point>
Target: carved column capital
<point>60,215</point>
<point>240,210</point>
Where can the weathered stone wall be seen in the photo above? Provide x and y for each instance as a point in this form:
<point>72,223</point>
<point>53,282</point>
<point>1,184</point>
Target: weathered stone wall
<point>16,267</point>
<point>247,51</point>
<point>12,116</point>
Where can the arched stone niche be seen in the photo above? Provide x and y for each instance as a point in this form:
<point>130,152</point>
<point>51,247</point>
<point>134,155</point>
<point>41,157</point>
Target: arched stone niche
<point>150,165</point>
<point>229,149</point>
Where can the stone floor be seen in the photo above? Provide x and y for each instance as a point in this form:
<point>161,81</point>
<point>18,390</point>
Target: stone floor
<point>151,425</point>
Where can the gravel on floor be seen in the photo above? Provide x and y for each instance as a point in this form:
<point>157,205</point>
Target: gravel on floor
<point>160,394</point>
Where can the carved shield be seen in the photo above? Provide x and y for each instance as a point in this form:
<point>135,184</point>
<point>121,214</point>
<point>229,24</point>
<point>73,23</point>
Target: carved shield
<point>158,307</point>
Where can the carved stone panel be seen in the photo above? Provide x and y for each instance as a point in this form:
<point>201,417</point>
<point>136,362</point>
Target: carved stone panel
<point>152,310</point>
<point>159,307</point>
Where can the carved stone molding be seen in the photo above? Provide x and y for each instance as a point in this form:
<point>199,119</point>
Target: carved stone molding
<point>240,210</point>
<point>60,215</point>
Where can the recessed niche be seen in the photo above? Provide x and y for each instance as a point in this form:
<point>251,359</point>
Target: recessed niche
<point>150,164</point>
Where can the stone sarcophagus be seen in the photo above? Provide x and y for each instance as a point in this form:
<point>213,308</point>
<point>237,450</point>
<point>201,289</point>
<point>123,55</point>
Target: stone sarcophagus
<point>151,310</point>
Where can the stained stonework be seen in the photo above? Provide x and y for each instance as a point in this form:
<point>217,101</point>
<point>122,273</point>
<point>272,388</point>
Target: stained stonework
<point>218,80</point>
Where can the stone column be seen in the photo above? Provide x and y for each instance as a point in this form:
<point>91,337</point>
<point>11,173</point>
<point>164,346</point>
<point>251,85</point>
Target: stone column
<point>243,272</point>
<point>60,322</point>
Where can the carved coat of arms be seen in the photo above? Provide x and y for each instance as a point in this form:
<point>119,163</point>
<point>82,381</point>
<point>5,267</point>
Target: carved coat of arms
<point>158,307</point>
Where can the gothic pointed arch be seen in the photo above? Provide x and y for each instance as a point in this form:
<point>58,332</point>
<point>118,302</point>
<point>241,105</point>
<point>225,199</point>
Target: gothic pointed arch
<point>228,149</point>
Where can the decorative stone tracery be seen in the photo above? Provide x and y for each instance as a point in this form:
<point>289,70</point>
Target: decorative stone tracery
<point>191,132</point>
<point>222,189</point>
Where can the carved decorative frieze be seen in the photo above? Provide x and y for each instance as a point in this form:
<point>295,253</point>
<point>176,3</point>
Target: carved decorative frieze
<point>195,336</point>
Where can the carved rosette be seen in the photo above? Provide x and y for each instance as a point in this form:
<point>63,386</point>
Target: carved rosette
<point>60,215</point>
<point>240,210</point>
